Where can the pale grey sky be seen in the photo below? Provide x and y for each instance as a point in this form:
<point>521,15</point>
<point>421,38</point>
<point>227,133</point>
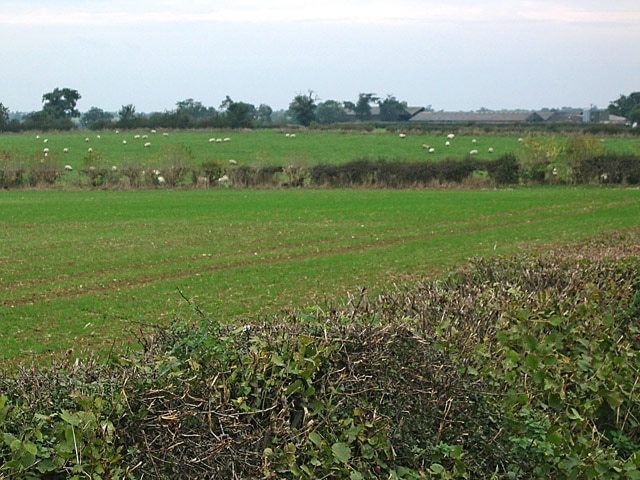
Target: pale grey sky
<point>451,54</point>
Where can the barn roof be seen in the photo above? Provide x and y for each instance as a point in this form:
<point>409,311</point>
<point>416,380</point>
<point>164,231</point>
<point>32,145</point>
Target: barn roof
<point>480,117</point>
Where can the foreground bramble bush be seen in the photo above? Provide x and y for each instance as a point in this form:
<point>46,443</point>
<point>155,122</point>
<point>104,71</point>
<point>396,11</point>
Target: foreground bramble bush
<point>522,367</point>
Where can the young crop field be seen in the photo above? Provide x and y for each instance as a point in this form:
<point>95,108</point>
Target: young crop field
<point>88,269</point>
<point>274,147</point>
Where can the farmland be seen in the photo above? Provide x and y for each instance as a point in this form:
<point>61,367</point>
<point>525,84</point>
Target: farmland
<point>84,269</point>
<point>274,148</point>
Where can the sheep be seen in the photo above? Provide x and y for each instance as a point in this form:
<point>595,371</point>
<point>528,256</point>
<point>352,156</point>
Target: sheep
<point>165,134</point>
<point>432,150</point>
<point>37,137</point>
<point>212,140</point>
<point>490,150</point>
<point>65,150</point>
<point>227,139</point>
<point>233,162</point>
<point>156,172</point>
<point>447,143</point>
<point>98,137</point>
<point>145,136</point>
<point>124,142</point>
<point>223,179</point>
<point>403,135</point>
<point>68,168</point>
<point>114,168</point>
<point>136,136</point>
<point>287,135</point>
<point>45,150</point>
<point>202,182</point>
<point>473,140</point>
<point>89,150</point>
<point>425,146</point>
<point>473,152</point>
<point>218,140</point>
<point>147,145</point>
<point>117,132</point>
<point>451,136</point>
<point>161,180</point>
<point>86,139</point>
<point>293,135</point>
<point>153,131</point>
<point>45,140</point>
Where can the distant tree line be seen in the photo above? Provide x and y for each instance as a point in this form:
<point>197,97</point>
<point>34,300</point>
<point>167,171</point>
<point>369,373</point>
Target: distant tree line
<point>59,112</point>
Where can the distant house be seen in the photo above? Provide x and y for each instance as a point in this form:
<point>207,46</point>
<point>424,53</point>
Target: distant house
<point>477,117</point>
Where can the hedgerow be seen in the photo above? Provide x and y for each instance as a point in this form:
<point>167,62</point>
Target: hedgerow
<point>516,367</point>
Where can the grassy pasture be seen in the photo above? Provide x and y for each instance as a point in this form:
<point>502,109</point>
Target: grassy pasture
<point>80,269</point>
<point>272,147</point>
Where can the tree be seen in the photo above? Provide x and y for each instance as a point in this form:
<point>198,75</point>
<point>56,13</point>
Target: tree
<point>391,110</point>
<point>194,109</point>
<point>362,108</point>
<point>303,108</point>
<point>61,103</point>
<point>4,117</point>
<point>127,114</point>
<point>96,118</point>
<point>628,107</point>
<point>330,111</point>
<point>238,114</point>
<point>264,113</point>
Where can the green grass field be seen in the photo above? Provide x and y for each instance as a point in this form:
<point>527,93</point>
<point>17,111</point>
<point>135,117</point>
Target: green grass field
<point>83,269</point>
<point>272,147</point>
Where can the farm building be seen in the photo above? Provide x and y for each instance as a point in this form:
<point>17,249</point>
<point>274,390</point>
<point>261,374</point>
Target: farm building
<point>477,117</point>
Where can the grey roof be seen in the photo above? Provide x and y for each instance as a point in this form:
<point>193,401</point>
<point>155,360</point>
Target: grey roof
<point>486,117</point>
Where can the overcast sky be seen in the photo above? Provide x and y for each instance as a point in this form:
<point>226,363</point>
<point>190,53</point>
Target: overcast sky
<point>450,54</point>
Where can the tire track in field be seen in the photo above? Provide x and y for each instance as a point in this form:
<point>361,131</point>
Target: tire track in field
<point>303,250</point>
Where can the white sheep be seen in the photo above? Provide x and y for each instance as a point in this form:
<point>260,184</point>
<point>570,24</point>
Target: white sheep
<point>165,134</point>
<point>98,137</point>
<point>212,140</point>
<point>425,146</point>
<point>451,136</point>
<point>45,140</point>
<point>86,139</point>
<point>233,162</point>
<point>227,139</point>
<point>45,150</point>
<point>447,143</point>
<point>136,136</point>
<point>202,182</point>
<point>68,168</point>
<point>145,136</point>
<point>223,179</point>
<point>148,144</point>
<point>161,180</point>
<point>473,152</point>
<point>153,131</point>
<point>89,150</point>
<point>403,135</point>
<point>124,142</point>
<point>293,135</point>
<point>65,150</point>
<point>490,150</point>
<point>37,137</point>
<point>473,140</point>
<point>114,168</point>
<point>431,150</point>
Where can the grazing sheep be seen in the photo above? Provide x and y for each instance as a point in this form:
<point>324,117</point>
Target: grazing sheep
<point>473,152</point>
<point>45,150</point>
<point>145,136</point>
<point>432,150</point>
<point>148,144</point>
<point>165,134</point>
<point>68,168</point>
<point>293,135</point>
<point>37,137</point>
<point>161,180</point>
<point>227,139</point>
<point>425,146</point>
<point>114,168</point>
<point>473,140</point>
<point>223,179</point>
<point>153,131</point>
<point>136,136</point>
<point>447,143</point>
<point>86,139</point>
<point>89,150</point>
<point>403,135</point>
<point>124,142</point>
<point>218,140</point>
<point>604,177</point>
<point>45,140</point>
<point>287,135</point>
<point>117,132</point>
<point>155,172</point>
<point>233,162</point>
<point>98,137</point>
<point>212,140</point>
<point>451,136</point>
<point>65,150</point>
<point>490,150</point>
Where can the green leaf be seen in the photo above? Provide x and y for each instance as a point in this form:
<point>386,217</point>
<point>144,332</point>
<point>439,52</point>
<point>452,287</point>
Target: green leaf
<point>70,418</point>
<point>355,475</point>
<point>436,468</point>
<point>614,399</point>
<point>315,438</point>
<point>341,452</point>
